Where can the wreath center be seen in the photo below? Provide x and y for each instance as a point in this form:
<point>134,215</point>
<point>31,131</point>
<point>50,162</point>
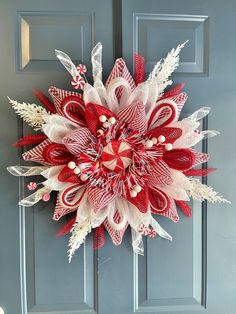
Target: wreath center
<point>117,155</point>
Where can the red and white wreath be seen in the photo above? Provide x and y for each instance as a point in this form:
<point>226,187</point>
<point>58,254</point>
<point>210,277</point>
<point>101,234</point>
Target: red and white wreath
<point>116,153</point>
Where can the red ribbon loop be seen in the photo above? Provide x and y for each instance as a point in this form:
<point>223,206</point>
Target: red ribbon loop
<point>73,108</point>
<point>70,197</point>
<point>56,154</point>
<point>179,158</point>
<point>159,201</point>
<point>162,115</point>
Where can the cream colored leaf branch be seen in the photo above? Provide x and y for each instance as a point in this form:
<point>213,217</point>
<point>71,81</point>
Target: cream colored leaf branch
<point>79,233</point>
<point>201,192</point>
<point>165,67</point>
<point>30,113</point>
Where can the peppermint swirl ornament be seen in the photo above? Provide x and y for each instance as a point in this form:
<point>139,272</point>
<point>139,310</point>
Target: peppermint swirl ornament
<point>32,186</point>
<point>82,68</point>
<point>117,155</point>
<point>78,82</point>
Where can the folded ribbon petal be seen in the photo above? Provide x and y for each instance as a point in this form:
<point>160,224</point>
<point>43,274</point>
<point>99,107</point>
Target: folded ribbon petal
<point>171,134</point>
<point>134,115</point>
<point>77,141</point>
<point>68,175</point>
<point>56,154</point>
<point>56,127</point>
<point>58,95</point>
<point>73,109</point>
<point>159,201</point>
<point>179,159</point>
<point>141,201</point>
<point>71,196</point>
<point>92,114</point>
<point>99,198</point>
<point>163,114</point>
<point>160,174</point>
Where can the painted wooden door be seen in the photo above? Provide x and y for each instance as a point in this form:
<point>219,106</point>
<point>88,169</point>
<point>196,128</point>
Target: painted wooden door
<point>195,272</point>
<point>34,272</point>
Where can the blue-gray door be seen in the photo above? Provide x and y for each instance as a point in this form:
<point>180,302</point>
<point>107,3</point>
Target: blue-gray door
<point>194,273</point>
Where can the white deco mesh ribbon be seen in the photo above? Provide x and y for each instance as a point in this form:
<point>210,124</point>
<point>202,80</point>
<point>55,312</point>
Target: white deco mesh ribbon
<point>35,197</point>
<point>189,136</point>
<point>139,94</point>
<point>85,212</point>
<point>135,218</point>
<point>24,171</point>
<point>91,95</point>
<point>52,182</point>
<point>113,207</point>
<point>177,190</point>
<point>56,127</point>
<point>137,242</point>
<point>112,101</point>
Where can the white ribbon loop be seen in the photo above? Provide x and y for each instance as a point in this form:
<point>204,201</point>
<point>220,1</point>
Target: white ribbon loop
<point>96,59</point>
<point>91,95</point>
<point>165,112</point>
<point>35,197</point>
<point>71,196</point>
<point>139,94</point>
<point>137,242</point>
<point>67,62</point>
<point>24,171</point>
<point>199,114</point>
<point>112,214</point>
<point>112,100</point>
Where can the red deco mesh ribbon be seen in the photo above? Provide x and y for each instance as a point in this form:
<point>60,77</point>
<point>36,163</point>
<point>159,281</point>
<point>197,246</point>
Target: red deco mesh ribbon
<point>56,154</point>
<point>99,237</point>
<point>139,68</point>
<point>199,172</point>
<point>179,159</point>
<point>185,208</point>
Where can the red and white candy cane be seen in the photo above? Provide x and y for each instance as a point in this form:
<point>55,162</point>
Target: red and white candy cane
<point>151,233</point>
<point>81,68</point>
<point>143,230</point>
<point>32,186</point>
<point>78,82</point>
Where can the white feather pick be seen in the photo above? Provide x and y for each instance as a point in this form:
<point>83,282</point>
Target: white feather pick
<point>164,68</point>
<point>200,192</point>
<point>79,233</point>
<point>30,113</point>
